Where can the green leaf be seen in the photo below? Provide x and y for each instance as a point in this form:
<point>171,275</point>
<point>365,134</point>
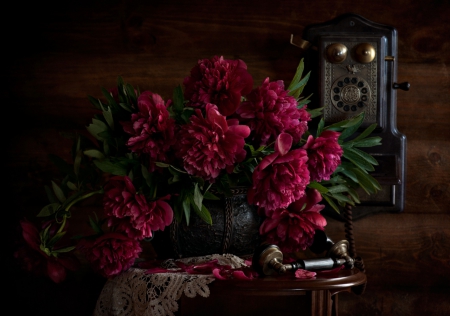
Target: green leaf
<point>366,132</point>
<point>97,128</point>
<point>318,187</point>
<point>315,112</point>
<point>320,126</point>
<point>351,126</point>
<point>367,182</point>
<point>109,98</point>
<point>297,89</point>
<point>350,174</point>
<point>367,157</point>
<point>187,210</point>
<point>49,209</point>
<point>202,212</point>
<point>71,186</point>
<point>178,99</point>
<point>162,164</point>
<point>354,195</point>
<point>338,189</point>
<point>114,168</point>
<point>130,91</point>
<point>342,198</point>
<point>358,161</point>
<point>95,102</point>
<point>354,121</point>
<point>107,114</point>
<point>198,196</point>
<point>331,203</point>
<point>210,196</point>
<point>64,250</point>
<point>297,75</point>
<point>367,142</point>
<point>94,224</point>
<point>58,192</point>
<point>94,153</point>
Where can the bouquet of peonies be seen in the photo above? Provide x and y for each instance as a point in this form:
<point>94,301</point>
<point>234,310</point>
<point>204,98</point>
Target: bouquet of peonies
<point>155,161</point>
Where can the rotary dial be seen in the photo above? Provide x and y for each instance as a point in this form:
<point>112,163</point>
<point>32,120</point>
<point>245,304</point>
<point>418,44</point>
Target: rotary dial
<point>350,94</point>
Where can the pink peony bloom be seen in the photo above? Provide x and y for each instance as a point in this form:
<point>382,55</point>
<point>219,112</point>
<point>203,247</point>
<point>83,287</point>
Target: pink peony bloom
<point>324,155</point>
<point>293,228</point>
<point>219,81</point>
<point>33,259</point>
<point>151,129</point>
<point>281,177</point>
<point>156,216</point>
<point>270,111</point>
<point>208,145</point>
<point>131,213</point>
<point>121,200</point>
<point>111,253</point>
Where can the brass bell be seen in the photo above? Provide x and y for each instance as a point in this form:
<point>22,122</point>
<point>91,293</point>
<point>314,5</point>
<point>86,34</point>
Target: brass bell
<point>364,53</point>
<point>336,53</point>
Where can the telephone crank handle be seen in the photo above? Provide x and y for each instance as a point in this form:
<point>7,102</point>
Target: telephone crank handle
<point>315,264</point>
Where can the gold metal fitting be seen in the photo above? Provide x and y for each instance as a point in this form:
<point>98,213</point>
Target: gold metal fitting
<point>364,53</point>
<point>336,53</point>
<point>301,43</point>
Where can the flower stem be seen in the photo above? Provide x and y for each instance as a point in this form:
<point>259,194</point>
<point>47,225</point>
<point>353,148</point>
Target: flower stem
<point>83,197</point>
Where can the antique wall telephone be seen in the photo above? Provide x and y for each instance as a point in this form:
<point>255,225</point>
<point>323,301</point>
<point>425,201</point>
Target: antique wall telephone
<point>356,72</point>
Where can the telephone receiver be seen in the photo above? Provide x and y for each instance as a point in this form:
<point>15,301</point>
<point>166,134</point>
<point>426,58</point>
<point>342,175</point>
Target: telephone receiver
<point>268,258</point>
<point>354,64</point>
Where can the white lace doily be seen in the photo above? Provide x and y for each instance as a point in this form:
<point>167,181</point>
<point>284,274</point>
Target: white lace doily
<point>135,292</point>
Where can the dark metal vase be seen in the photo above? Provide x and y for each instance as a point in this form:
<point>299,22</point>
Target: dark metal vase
<point>235,229</point>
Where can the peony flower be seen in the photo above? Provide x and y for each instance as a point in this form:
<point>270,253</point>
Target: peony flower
<point>293,228</point>
<point>324,155</point>
<point>131,212</point>
<point>111,253</point>
<point>208,145</point>
<point>219,81</point>
<point>33,259</point>
<point>121,200</point>
<point>269,111</point>
<point>151,129</point>
<point>156,216</point>
<point>281,177</point>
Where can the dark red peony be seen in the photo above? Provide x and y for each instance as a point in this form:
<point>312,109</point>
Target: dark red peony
<point>131,212</point>
<point>281,177</point>
<point>269,111</point>
<point>34,259</point>
<point>324,154</point>
<point>111,253</point>
<point>210,144</point>
<point>219,81</point>
<point>151,129</point>
<point>293,228</point>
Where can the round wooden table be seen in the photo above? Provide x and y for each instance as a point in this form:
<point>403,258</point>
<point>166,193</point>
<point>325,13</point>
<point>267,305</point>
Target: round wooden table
<point>276,295</point>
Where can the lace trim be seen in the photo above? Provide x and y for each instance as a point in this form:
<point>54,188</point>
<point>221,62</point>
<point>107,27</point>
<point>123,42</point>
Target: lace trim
<point>136,293</point>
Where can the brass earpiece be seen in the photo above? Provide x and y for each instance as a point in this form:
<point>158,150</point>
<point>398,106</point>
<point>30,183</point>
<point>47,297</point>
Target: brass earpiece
<point>336,53</point>
<point>364,53</point>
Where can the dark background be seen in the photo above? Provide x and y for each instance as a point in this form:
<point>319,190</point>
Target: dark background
<point>55,55</point>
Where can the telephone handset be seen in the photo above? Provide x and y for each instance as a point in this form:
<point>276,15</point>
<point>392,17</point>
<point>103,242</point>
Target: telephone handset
<point>357,72</point>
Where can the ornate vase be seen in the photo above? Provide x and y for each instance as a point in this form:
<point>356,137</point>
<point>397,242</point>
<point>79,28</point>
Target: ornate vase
<point>234,229</point>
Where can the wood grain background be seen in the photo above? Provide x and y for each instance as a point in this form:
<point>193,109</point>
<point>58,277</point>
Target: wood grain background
<point>55,55</point>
